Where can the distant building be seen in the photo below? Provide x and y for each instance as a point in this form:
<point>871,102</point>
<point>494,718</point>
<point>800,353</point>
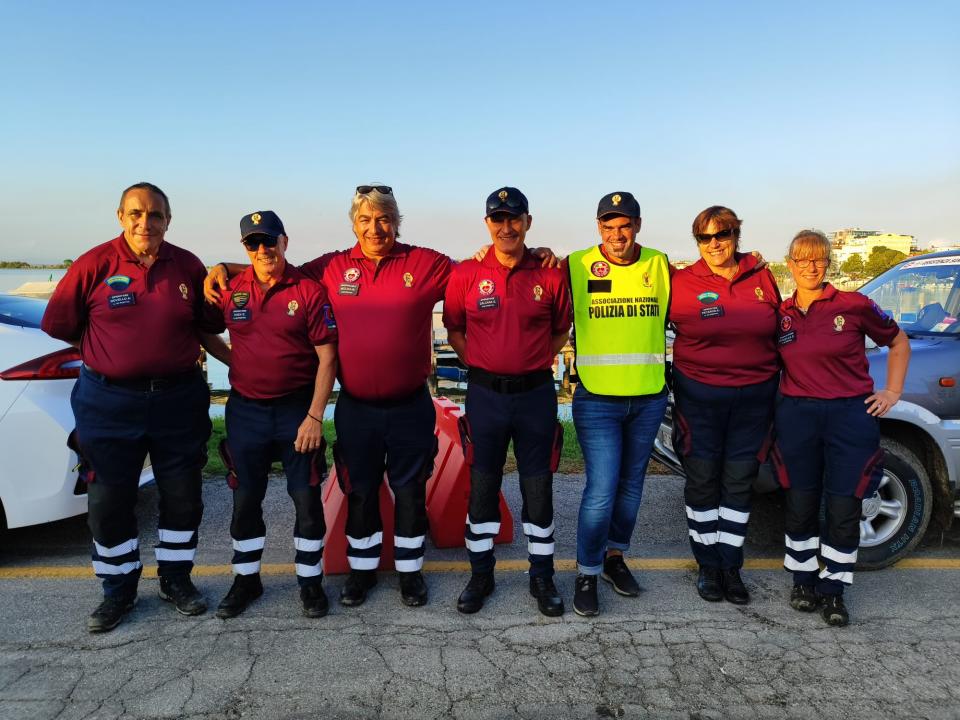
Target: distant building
<point>854,241</point>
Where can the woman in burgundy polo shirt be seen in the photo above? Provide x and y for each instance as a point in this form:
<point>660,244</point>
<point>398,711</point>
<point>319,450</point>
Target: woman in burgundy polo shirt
<point>723,308</point>
<point>828,435</point>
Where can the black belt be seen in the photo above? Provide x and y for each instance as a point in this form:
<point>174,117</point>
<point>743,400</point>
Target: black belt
<point>304,392</point>
<point>145,384</point>
<point>509,384</point>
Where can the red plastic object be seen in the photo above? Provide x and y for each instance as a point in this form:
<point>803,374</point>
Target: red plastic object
<point>448,489</point>
<point>335,514</point>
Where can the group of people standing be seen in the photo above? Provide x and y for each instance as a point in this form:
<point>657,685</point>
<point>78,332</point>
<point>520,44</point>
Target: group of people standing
<point>135,308</point>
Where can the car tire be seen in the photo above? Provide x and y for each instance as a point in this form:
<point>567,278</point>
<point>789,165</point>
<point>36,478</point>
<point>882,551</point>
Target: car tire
<point>896,517</point>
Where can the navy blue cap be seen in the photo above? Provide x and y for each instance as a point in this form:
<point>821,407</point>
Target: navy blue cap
<point>508,200</point>
<point>262,222</point>
<point>618,203</point>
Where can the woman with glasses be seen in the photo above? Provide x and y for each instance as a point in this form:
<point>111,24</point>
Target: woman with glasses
<point>723,309</point>
<point>828,435</point>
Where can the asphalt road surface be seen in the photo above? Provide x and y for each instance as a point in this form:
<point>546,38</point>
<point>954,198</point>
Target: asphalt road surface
<point>666,654</point>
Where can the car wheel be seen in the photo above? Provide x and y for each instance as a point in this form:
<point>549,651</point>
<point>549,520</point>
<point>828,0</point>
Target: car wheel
<point>896,516</point>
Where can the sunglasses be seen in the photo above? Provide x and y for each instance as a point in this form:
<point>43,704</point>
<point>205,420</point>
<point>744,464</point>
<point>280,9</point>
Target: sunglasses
<point>510,202</point>
<point>804,264</point>
<point>253,242</point>
<point>382,189</point>
<point>723,235</point>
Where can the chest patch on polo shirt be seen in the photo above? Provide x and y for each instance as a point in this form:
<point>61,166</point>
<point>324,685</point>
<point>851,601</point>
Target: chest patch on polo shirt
<point>708,298</point>
<point>351,275</point>
<point>486,287</point>
<point>119,300</point>
<point>240,299</point>
<point>838,323</point>
<point>240,314</point>
<point>408,280</point>
<point>787,337</point>
<point>118,282</point>
<point>347,288</point>
<point>711,311</point>
<point>488,303</point>
<point>600,269</point>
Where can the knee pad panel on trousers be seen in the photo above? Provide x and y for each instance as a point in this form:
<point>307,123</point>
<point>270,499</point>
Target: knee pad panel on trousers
<point>484,496</point>
<point>802,515</point>
<point>843,520</point>
<point>111,517</point>
<point>702,488</point>
<point>537,491</point>
<point>736,481</point>
<point>308,504</point>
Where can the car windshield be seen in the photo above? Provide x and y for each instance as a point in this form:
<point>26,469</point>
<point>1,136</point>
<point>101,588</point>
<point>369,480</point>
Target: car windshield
<point>922,295</point>
<point>21,311</point>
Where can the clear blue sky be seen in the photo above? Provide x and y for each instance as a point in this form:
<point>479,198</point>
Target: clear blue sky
<point>794,114</point>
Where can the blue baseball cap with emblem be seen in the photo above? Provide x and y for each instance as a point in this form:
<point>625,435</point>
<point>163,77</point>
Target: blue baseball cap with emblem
<point>262,222</point>
<point>618,203</point>
<point>507,200</point>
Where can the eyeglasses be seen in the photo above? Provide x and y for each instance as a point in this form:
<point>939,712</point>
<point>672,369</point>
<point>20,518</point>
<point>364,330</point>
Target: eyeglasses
<point>253,242</point>
<point>382,189</point>
<point>804,264</point>
<point>722,236</point>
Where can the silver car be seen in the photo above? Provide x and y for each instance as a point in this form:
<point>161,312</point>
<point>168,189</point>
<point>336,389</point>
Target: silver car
<point>921,434</point>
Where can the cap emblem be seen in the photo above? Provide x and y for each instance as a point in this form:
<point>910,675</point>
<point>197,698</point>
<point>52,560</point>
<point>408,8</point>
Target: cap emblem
<point>838,323</point>
<point>292,307</point>
<point>537,292</point>
<point>616,200</point>
<point>486,287</point>
<point>407,280</point>
<point>600,269</point>
<point>255,218</point>
<point>185,291</point>
<point>351,274</point>
<point>502,195</point>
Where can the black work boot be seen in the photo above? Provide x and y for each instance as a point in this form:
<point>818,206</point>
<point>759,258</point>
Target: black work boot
<point>833,611</point>
<point>180,590</point>
<point>413,589</point>
<point>616,572</point>
<point>358,584</point>
<point>709,584</point>
<point>314,600</point>
<point>245,589</point>
<point>477,590</point>
<point>110,612</point>
<point>585,596</point>
<point>804,598</point>
<point>549,601</point>
<point>733,588</point>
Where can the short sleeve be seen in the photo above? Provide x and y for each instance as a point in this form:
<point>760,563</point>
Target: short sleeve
<point>876,324</point>
<point>454,301</point>
<point>321,325</point>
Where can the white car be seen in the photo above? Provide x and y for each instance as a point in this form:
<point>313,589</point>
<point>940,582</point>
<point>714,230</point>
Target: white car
<point>38,472</point>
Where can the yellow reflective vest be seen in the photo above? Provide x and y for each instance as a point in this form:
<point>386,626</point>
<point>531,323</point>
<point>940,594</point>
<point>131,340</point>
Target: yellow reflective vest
<point>619,317</point>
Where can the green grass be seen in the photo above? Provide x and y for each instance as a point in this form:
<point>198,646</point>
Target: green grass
<point>215,466</point>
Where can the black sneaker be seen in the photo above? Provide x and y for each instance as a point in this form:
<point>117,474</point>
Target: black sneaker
<point>708,584</point>
<point>833,611</point>
<point>480,587</point>
<point>585,596</point>
<point>180,590</point>
<point>733,588</point>
<point>548,599</point>
<point>245,589</point>
<point>803,598</point>
<point>616,572</point>
<point>358,584</point>
<point>110,612</point>
<point>413,589</point>
<point>314,600</point>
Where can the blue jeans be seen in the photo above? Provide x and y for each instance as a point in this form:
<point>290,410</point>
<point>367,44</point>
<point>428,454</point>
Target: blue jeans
<point>616,435</point>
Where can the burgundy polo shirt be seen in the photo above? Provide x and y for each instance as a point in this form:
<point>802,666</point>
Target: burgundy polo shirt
<point>384,316</point>
<point>823,351</point>
<point>726,329</point>
<point>131,321</point>
<point>510,315</point>
<point>273,333</point>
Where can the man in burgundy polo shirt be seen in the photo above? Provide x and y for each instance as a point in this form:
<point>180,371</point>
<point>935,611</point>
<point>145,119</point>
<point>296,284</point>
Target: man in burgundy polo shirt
<point>383,293</point>
<point>283,364</point>
<point>507,318</point>
<point>130,305</point>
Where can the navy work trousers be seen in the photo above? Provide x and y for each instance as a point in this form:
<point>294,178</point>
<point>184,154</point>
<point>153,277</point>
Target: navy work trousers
<point>258,433</point>
<point>116,428</point>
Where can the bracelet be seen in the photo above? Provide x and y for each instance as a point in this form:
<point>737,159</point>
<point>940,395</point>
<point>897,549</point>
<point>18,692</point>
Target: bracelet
<point>315,418</point>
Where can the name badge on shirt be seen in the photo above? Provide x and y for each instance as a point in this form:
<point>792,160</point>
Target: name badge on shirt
<point>349,289</point>
<point>787,337</point>
<point>711,311</point>
<point>119,300</point>
<point>488,303</point>
<point>240,314</point>
<point>599,286</point>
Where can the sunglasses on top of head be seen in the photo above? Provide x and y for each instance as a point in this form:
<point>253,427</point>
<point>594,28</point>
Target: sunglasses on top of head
<point>382,189</point>
<point>253,242</point>
<point>723,235</point>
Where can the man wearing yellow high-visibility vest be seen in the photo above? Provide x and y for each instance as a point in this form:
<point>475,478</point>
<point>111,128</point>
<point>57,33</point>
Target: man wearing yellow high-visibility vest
<point>620,294</point>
